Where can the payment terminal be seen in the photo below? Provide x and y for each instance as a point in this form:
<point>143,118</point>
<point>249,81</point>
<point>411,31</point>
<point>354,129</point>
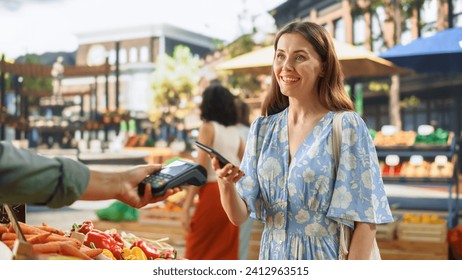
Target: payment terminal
<point>174,174</point>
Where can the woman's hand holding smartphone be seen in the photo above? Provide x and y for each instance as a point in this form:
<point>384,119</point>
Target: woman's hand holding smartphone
<point>222,160</point>
<point>233,172</point>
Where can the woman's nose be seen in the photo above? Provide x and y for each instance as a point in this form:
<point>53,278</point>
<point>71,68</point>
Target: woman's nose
<point>288,64</point>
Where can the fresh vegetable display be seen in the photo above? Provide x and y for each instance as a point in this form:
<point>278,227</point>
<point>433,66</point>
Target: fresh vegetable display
<point>86,242</point>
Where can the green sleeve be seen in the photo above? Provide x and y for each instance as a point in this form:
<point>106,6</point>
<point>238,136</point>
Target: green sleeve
<point>26,177</point>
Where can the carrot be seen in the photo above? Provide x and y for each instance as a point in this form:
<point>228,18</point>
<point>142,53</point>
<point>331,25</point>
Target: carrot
<point>50,229</point>
<point>46,248</point>
<point>39,238</point>
<point>9,236</point>
<point>3,228</point>
<point>71,251</point>
<point>9,243</point>
<point>91,252</point>
<point>57,238</point>
<point>28,229</point>
<point>50,247</point>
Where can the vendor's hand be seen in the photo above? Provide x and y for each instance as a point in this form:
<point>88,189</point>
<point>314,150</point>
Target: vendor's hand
<point>228,174</point>
<point>130,181</point>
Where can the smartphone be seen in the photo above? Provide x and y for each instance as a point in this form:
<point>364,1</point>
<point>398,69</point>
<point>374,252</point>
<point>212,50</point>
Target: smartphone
<point>221,160</point>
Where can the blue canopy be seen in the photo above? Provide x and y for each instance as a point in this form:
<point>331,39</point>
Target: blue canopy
<point>441,53</point>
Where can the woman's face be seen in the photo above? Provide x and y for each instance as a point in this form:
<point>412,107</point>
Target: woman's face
<point>296,65</point>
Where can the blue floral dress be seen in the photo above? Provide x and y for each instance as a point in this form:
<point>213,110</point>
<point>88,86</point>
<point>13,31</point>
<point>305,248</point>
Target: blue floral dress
<point>302,203</point>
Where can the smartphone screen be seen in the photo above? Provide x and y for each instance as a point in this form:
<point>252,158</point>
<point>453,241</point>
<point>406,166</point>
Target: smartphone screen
<point>222,161</point>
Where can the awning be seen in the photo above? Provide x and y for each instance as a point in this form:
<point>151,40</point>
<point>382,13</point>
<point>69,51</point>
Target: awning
<point>355,61</point>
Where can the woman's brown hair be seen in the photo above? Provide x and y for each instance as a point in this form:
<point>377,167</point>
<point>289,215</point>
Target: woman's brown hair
<point>331,89</point>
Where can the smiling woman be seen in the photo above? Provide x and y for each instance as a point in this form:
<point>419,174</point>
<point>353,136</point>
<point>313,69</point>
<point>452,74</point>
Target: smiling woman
<point>301,195</point>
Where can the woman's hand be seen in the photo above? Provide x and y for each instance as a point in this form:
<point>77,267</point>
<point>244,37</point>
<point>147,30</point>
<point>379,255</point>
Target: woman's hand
<point>229,174</point>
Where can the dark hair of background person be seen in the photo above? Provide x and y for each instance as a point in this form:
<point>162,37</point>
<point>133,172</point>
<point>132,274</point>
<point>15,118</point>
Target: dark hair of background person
<point>331,88</point>
<point>243,112</point>
<point>218,105</point>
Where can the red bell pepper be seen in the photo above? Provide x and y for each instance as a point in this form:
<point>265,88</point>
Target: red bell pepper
<point>151,252</point>
<point>85,227</point>
<point>168,254</point>
<point>103,240</point>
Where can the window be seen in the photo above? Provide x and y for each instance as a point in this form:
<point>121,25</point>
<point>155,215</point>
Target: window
<point>144,54</point>
<point>112,56</point>
<point>122,56</point>
<point>359,31</point>
<point>339,30</point>
<point>133,55</point>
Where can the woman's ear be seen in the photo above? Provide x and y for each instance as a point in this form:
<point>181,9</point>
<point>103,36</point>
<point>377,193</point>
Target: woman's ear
<point>323,70</point>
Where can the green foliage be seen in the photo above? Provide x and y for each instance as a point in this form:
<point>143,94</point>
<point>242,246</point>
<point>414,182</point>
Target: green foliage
<point>376,86</point>
<point>410,102</point>
<point>245,83</point>
<point>243,44</point>
<point>36,84</point>
<point>175,78</point>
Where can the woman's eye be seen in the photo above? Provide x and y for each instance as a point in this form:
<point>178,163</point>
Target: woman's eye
<point>300,58</point>
<point>280,57</point>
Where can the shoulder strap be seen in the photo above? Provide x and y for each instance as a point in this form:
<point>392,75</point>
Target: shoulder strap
<point>337,136</point>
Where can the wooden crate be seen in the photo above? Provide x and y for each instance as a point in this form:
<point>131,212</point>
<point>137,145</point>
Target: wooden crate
<point>386,231</point>
<point>159,217</point>
<point>423,232</point>
<point>254,242</point>
<point>413,250</point>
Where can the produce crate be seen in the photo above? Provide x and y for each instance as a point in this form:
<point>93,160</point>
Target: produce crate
<point>255,238</point>
<point>386,231</point>
<point>159,217</point>
<point>413,250</point>
<point>423,232</point>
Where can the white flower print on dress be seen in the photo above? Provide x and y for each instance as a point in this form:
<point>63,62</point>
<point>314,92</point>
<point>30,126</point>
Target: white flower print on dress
<point>302,216</point>
<point>342,198</point>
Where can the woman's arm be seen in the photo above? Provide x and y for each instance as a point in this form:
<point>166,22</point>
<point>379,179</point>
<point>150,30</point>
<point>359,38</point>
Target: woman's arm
<point>232,203</point>
<point>362,241</point>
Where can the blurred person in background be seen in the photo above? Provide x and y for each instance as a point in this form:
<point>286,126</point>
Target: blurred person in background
<point>210,234</point>
<point>26,177</point>
<point>291,183</point>
<point>243,124</point>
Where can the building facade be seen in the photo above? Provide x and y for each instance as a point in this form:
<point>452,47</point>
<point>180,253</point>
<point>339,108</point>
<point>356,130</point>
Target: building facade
<point>425,99</point>
<point>132,53</point>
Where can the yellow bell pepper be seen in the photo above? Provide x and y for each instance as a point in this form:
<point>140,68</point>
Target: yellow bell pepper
<point>108,254</point>
<point>133,254</point>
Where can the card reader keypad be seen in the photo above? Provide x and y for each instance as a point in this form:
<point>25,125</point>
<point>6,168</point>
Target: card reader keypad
<point>158,180</point>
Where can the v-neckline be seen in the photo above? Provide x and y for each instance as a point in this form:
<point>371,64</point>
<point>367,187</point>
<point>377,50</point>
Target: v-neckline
<point>307,139</point>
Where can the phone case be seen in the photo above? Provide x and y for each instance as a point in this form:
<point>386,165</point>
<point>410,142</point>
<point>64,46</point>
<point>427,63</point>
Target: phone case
<point>222,160</point>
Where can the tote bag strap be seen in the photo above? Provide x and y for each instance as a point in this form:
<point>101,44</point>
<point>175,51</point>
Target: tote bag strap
<point>345,232</point>
<point>337,137</point>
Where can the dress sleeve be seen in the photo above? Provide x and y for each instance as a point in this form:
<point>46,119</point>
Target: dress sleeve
<point>359,193</point>
<point>248,187</point>
<point>26,177</point>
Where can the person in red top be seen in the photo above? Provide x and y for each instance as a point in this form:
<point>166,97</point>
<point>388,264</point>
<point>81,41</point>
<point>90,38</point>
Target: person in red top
<point>210,234</point>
